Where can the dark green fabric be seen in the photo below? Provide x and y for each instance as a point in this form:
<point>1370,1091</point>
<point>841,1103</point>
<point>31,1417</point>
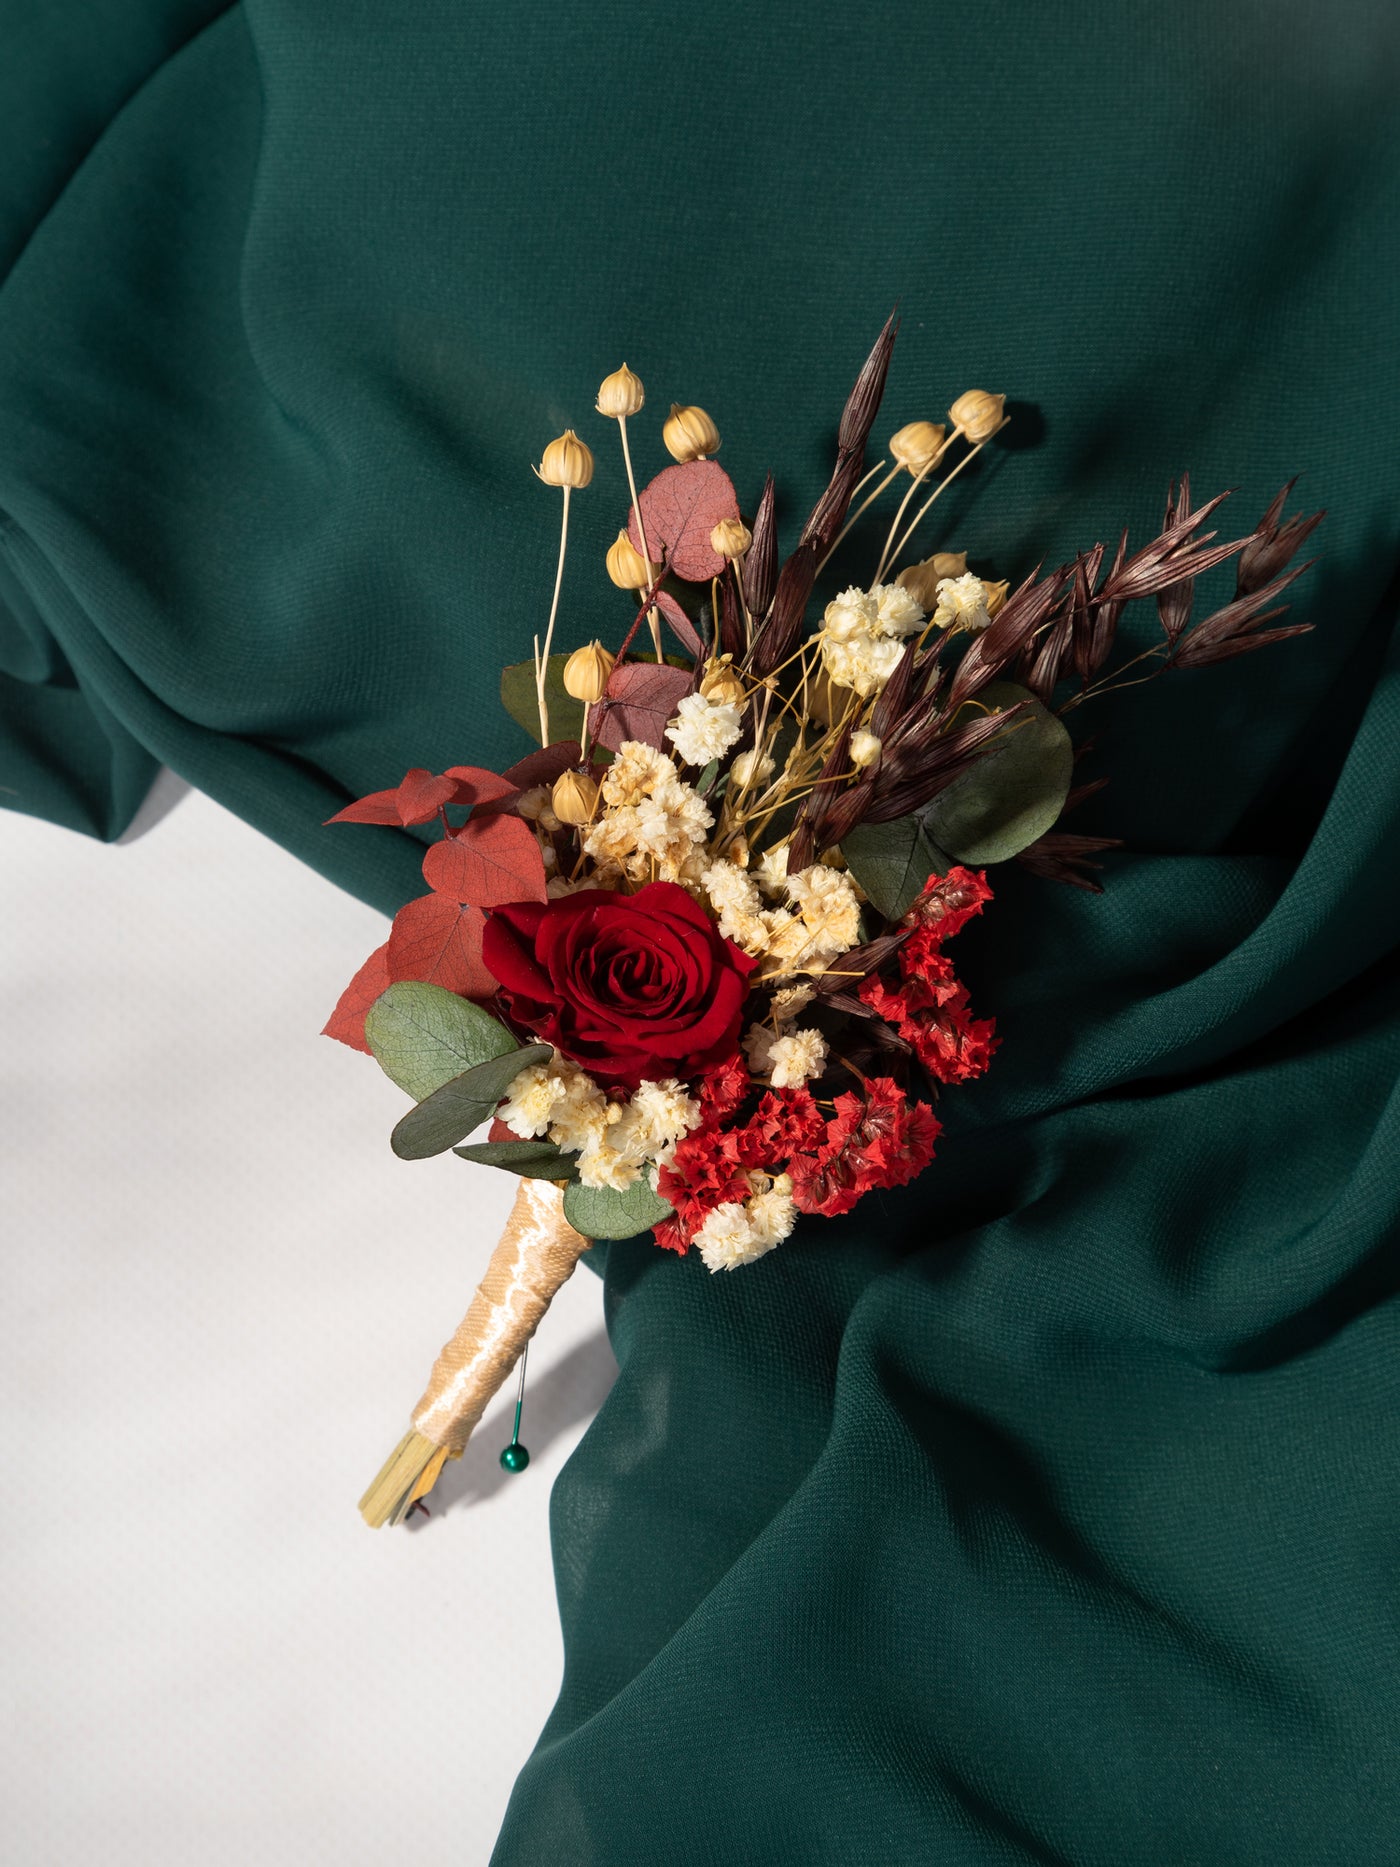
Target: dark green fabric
<point>1046,1513</point>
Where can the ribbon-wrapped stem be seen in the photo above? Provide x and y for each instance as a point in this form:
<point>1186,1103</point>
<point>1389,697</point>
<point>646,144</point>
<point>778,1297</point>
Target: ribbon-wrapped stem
<point>535,1256</point>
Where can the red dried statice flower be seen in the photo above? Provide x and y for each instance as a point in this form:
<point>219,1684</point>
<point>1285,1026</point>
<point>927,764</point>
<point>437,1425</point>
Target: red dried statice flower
<point>929,1009</point>
<point>931,1014</point>
<point>787,1122</point>
<point>703,1173</point>
<point>671,1235</point>
<point>945,906</point>
<point>879,1138</point>
<point>722,1090</point>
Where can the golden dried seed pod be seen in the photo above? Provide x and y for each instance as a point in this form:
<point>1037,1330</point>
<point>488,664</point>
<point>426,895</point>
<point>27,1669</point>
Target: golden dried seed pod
<point>586,673</point>
<point>567,461</point>
<point>922,580</point>
<point>575,797</point>
<point>689,434</point>
<point>731,538</point>
<point>978,414</point>
<point>620,394</point>
<point>723,686</point>
<point>916,445</point>
<point>996,595</point>
<point>627,567</point>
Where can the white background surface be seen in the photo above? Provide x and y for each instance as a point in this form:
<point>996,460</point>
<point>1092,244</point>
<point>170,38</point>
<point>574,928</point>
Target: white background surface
<point>222,1295</point>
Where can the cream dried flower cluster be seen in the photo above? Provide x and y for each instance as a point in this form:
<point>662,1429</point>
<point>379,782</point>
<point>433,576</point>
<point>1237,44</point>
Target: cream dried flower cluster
<point>616,1142</point>
<point>863,634</point>
<point>738,1231</point>
<point>652,824</point>
<point>962,604</point>
<point>821,922</point>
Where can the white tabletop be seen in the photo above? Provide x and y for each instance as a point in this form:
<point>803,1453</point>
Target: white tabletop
<point>222,1295</point>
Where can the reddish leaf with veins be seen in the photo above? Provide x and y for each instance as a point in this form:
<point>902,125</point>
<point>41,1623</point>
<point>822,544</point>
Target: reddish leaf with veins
<point>641,698</point>
<point>490,860</point>
<point>439,942</point>
<point>680,508</point>
<point>347,1021</point>
<point>421,796</point>
<point>543,767</point>
<point>476,785</point>
<point>683,627</point>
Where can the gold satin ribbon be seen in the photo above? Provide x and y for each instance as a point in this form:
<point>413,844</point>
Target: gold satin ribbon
<point>536,1255</point>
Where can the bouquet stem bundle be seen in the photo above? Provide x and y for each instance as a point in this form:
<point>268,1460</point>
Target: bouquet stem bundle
<point>534,1258</point>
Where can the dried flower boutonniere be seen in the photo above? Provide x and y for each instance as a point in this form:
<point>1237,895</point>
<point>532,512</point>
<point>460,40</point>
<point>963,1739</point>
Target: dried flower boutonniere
<point>693,959</point>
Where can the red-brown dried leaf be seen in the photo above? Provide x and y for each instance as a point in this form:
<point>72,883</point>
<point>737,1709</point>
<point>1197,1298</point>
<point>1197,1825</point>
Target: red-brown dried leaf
<point>681,626</point>
<point>438,941</point>
<point>681,507</point>
<point>1205,654</point>
<point>642,697</point>
<point>492,859</point>
<point>421,796</point>
<point>476,785</point>
<point>761,559</point>
<point>1059,856</point>
<point>347,1022</point>
<point>542,767</point>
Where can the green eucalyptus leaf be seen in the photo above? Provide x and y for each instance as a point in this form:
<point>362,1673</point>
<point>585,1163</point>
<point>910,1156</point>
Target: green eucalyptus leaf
<point>520,700</point>
<point>423,1036</point>
<point>599,1212</point>
<point>450,1113</point>
<point>1013,793</point>
<point>892,861</point>
<point>535,1160</point>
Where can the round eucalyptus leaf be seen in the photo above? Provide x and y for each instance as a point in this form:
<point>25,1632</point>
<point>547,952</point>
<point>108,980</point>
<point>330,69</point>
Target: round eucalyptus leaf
<point>451,1112</point>
<point>599,1212</point>
<point>423,1036</point>
<point>533,1160</point>
<point>1013,794</point>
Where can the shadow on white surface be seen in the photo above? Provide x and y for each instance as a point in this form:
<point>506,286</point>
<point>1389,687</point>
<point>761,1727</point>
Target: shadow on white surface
<point>222,1295</point>
<point>166,792</point>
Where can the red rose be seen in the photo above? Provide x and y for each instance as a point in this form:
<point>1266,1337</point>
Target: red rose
<point>631,987</point>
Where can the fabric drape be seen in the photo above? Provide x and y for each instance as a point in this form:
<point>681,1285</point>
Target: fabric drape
<point>1047,1513</point>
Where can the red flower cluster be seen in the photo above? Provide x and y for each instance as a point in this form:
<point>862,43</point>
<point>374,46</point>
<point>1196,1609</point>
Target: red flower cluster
<point>878,1138</point>
<point>929,1007</point>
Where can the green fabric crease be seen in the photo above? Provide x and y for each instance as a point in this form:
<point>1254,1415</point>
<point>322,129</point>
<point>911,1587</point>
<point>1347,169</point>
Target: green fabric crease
<point>1045,1511</point>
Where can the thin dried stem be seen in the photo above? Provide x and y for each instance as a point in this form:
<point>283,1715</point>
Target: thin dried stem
<point>542,660</point>
<point>937,492</point>
<point>654,615</point>
<point>868,501</point>
<point>914,483</point>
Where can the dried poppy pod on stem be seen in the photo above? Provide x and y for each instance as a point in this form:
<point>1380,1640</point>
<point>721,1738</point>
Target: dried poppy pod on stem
<point>587,673</point>
<point>689,434</point>
<point>978,415</point>
<point>620,395</point>
<point>566,462</point>
<point>731,538</point>
<point>627,568</point>
<point>917,445</point>
<point>723,686</point>
<point>575,798</point>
